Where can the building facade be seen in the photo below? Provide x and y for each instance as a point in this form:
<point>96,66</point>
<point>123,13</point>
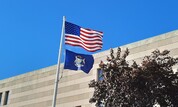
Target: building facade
<point>35,89</point>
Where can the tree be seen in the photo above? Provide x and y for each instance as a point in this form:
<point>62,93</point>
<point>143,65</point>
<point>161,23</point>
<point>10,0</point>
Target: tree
<point>151,82</point>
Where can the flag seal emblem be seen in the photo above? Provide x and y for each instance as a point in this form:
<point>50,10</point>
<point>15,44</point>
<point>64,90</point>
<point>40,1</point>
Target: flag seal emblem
<point>79,61</point>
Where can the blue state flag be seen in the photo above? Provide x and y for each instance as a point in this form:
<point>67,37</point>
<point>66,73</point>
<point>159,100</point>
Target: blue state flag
<point>76,61</point>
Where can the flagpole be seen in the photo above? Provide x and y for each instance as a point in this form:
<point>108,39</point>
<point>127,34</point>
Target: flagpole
<point>58,65</point>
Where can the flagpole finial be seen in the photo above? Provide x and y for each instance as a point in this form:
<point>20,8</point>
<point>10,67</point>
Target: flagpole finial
<point>64,18</point>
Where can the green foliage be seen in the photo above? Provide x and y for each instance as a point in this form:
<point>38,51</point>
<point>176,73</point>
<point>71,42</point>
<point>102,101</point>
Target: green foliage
<point>124,85</point>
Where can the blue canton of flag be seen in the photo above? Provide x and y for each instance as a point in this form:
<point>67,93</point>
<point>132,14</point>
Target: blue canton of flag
<point>76,61</point>
<point>90,40</point>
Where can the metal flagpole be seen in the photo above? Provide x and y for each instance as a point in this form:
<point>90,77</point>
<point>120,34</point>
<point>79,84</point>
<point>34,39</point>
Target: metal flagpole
<point>58,65</point>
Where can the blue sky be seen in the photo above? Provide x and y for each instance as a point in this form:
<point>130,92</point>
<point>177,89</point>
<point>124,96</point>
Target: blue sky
<point>30,29</point>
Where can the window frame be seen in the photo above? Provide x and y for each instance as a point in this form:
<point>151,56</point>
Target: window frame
<point>6,98</point>
<point>1,95</point>
<point>78,106</point>
<point>99,74</point>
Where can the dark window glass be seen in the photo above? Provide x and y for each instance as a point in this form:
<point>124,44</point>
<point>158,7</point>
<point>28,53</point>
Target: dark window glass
<point>0,98</point>
<point>100,78</point>
<point>6,97</point>
<point>100,75</point>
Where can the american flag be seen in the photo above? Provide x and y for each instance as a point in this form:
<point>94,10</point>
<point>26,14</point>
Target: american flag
<point>90,40</point>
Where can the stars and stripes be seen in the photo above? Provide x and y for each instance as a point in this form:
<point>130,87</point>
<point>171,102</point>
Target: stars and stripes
<point>90,40</point>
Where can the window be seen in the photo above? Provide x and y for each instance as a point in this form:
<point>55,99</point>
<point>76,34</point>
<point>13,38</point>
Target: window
<point>99,75</point>
<point>100,78</point>
<point>78,106</point>
<point>6,97</point>
<point>0,98</point>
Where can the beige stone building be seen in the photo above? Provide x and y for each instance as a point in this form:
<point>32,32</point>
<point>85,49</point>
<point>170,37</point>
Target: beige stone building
<point>35,89</point>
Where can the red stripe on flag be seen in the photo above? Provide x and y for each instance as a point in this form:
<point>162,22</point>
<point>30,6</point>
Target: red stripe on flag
<point>81,45</point>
